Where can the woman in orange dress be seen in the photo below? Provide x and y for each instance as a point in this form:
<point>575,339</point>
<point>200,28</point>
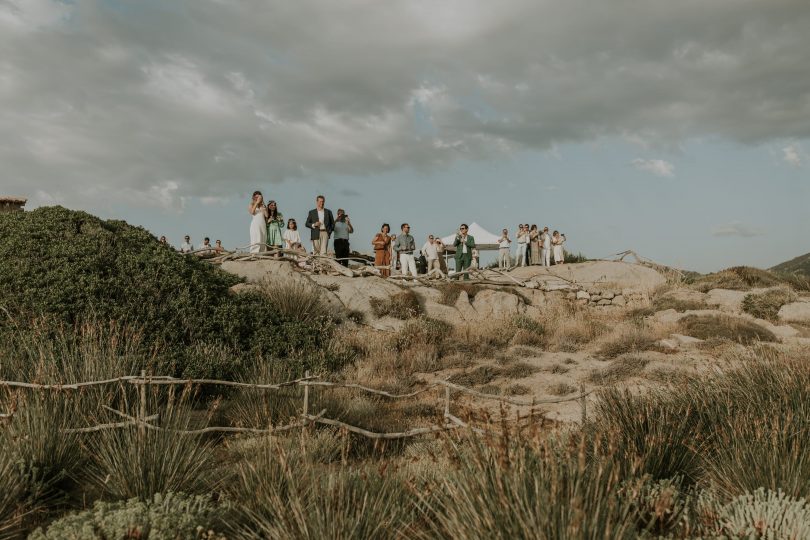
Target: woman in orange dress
<point>382,250</point>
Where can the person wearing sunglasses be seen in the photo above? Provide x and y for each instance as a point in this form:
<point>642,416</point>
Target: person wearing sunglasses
<point>464,244</point>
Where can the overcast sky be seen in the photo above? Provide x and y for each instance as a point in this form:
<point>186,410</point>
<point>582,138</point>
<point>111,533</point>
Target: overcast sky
<point>677,129</point>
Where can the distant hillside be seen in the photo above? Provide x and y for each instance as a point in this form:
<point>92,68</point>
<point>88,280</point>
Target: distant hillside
<point>799,265</point>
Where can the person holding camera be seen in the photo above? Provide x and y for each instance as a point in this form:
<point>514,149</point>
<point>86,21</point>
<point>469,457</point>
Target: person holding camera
<point>504,251</point>
<point>464,244</point>
<point>343,228</point>
<point>258,225</point>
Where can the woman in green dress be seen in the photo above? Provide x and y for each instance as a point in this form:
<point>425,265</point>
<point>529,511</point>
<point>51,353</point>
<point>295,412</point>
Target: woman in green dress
<point>275,226</point>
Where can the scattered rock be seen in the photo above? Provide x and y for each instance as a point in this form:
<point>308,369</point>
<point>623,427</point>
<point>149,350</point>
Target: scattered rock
<point>619,300</point>
<point>604,302</point>
<point>670,344</point>
<point>795,312</point>
<point>583,295</point>
<point>490,304</point>
<point>726,299</point>
<point>609,295</point>
<point>685,341</point>
<point>683,294</point>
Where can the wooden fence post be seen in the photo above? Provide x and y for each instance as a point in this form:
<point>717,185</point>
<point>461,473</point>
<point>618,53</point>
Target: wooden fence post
<point>305,431</point>
<point>446,401</point>
<point>583,404</point>
<point>142,406</point>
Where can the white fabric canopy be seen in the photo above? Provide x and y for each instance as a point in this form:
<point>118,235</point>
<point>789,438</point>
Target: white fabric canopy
<point>483,238</point>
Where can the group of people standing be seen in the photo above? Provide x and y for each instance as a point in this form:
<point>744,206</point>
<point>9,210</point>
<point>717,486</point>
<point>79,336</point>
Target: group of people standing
<point>268,229</point>
<point>535,246</point>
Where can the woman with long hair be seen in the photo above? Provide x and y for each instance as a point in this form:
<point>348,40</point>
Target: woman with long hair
<point>275,226</point>
<point>534,239</point>
<point>258,225</point>
<point>557,241</point>
<point>382,250</point>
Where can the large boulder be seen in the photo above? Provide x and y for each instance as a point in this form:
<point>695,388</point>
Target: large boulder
<point>795,312</point>
<point>491,304</point>
<point>613,275</point>
<point>726,299</point>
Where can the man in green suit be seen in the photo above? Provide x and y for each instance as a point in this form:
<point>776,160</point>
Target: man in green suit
<point>464,245</point>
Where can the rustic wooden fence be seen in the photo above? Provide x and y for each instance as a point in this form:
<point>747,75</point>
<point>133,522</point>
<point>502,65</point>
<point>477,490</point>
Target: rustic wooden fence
<point>143,420</point>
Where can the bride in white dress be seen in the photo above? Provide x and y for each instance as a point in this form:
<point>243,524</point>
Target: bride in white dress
<point>258,225</point>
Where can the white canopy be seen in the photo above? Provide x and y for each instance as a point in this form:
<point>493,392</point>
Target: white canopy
<point>483,238</point>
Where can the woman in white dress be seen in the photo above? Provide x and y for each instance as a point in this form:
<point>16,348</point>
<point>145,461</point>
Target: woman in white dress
<point>557,241</point>
<point>258,225</point>
<point>292,240</point>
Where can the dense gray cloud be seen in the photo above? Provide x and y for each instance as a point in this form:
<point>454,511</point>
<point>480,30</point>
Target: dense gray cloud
<point>154,101</point>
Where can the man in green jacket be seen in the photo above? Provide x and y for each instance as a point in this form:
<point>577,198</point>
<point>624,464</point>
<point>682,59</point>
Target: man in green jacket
<point>464,245</point>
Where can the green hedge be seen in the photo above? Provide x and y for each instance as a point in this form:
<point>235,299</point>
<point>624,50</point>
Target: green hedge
<point>70,267</point>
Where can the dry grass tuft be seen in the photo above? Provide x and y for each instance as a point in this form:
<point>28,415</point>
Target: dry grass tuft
<point>620,370</point>
<point>561,389</point>
<point>517,390</point>
<point>404,305</point>
<point>519,370</point>
<point>477,377</point>
<point>723,326</point>
<point>628,340</point>
<point>451,291</point>
<point>668,302</point>
<point>741,278</point>
<point>766,305</point>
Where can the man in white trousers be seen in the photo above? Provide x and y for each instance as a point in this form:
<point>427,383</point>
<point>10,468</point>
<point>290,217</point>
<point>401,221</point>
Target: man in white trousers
<point>404,246</point>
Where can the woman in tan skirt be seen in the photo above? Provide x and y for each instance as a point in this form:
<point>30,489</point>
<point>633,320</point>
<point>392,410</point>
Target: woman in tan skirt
<point>534,240</point>
<point>382,250</point>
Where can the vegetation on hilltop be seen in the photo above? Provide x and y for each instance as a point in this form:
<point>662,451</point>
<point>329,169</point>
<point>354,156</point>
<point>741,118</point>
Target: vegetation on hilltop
<point>797,265</point>
<point>67,267</point>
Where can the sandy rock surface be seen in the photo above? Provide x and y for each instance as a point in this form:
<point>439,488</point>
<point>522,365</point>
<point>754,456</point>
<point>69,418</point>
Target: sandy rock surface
<point>795,312</point>
<point>593,274</point>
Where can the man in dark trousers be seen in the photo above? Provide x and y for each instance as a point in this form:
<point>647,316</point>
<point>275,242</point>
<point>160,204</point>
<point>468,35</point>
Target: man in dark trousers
<point>464,245</point>
<point>321,224</point>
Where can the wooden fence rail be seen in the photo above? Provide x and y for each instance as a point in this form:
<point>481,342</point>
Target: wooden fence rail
<point>143,421</point>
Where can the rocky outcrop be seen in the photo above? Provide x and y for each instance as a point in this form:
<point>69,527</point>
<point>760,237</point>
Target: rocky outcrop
<point>795,312</point>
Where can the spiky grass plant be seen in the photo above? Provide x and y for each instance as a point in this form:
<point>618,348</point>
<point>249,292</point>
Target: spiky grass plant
<point>284,495</point>
<point>530,489</point>
<point>140,462</point>
<point>48,459</point>
<point>13,501</point>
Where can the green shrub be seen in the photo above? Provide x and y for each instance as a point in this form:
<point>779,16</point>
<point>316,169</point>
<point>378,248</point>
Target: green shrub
<point>404,305</point>
<point>766,305</point>
<point>722,326</point>
<point>168,517</point>
<point>69,267</point>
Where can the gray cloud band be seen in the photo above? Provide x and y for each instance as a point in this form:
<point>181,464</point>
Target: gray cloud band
<point>157,101</point>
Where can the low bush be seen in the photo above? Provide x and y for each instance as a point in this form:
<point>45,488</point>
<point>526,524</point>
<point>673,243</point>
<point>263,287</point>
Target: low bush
<point>561,389</point>
<point>619,370</point>
<point>722,326</point>
<point>295,301</point>
<point>766,305</point>
<point>173,515</point>
<point>740,278</point>
<point>518,370</point>
<point>423,330</point>
<point>668,302</point>
<point>13,499</point>
<point>636,339</point>
<point>762,513</point>
<point>404,305</point>
<point>451,291</point>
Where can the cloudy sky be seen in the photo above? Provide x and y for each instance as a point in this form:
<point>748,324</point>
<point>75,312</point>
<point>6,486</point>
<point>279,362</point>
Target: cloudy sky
<point>678,129</point>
